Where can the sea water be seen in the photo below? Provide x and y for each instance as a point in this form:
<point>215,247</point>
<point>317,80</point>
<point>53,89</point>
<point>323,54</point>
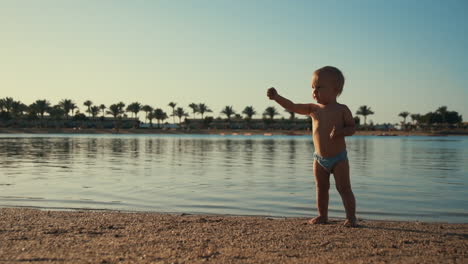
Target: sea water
<point>393,178</point>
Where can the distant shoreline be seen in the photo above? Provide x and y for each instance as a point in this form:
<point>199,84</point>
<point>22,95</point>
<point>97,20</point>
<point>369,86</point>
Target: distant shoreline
<point>245,132</point>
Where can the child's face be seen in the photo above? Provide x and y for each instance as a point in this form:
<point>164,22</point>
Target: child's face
<point>324,89</point>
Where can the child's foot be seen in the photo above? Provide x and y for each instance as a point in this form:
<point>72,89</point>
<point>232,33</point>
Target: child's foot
<point>351,222</point>
<point>318,220</point>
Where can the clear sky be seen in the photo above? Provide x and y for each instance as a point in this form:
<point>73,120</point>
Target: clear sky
<point>396,55</point>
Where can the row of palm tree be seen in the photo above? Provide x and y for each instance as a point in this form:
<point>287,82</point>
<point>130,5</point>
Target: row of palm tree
<point>441,115</point>
<point>117,110</point>
<point>66,106</point>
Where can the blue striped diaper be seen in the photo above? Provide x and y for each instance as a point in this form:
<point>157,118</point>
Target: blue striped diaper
<point>329,163</point>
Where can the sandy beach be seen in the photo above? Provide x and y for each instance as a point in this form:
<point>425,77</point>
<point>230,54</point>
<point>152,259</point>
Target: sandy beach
<point>36,236</point>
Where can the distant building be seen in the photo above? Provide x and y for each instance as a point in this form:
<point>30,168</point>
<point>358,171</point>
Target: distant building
<point>155,125</point>
<point>387,127</point>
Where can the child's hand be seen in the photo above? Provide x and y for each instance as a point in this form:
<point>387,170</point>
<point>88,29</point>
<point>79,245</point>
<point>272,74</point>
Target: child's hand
<point>272,93</point>
<point>314,115</point>
<point>333,133</point>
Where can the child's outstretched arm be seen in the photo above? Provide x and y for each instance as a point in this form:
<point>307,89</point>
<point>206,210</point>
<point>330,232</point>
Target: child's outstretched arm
<point>303,109</point>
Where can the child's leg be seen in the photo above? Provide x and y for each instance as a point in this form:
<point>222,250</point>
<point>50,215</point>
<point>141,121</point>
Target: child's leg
<point>322,182</point>
<point>343,185</point>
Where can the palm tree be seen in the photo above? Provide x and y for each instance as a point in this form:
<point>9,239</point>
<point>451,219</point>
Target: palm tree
<point>292,115</point>
<point>228,111</point>
<point>95,111</point>
<point>88,103</point>
<point>150,116</point>
<point>40,107</point>
<point>134,108</point>
<point>173,105</point>
<point>73,107</point>
<point>56,112</point>
<point>364,111</point>
<point>415,117</point>
<point>115,110</point>
<point>404,115</point>
<point>15,108</point>
<point>271,112</point>
<point>148,110</point>
<point>103,108</point>
<point>249,111</point>
<point>443,112</point>
<point>18,108</point>
<point>160,115</point>
<point>66,105</point>
<point>202,109</point>
<point>179,112</point>
<point>194,108</point>
<point>121,106</point>
<point>7,104</point>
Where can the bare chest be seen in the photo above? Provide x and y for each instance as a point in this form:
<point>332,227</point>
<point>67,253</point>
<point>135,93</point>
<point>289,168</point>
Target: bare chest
<point>327,119</point>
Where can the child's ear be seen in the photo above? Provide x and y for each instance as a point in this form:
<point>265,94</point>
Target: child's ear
<point>337,91</point>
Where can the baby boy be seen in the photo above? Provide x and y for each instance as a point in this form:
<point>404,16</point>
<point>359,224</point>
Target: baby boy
<point>331,122</point>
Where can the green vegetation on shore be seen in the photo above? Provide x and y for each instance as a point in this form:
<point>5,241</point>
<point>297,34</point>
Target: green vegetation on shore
<point>66,114</point>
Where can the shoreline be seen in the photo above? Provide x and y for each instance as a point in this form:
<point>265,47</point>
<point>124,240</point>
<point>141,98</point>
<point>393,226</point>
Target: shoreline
<point>31,235</point>
<point>245,132</point>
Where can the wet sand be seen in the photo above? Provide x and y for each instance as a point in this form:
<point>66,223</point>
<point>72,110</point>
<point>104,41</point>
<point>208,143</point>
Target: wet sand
<point>35,236</point>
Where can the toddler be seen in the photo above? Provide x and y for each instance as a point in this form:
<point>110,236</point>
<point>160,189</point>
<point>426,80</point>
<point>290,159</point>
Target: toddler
<point>331,122</point>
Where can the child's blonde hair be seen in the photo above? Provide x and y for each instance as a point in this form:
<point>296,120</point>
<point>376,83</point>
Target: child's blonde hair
<point>338,75</point>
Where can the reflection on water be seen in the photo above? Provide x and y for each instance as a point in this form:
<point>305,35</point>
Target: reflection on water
<point>403,178</point>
